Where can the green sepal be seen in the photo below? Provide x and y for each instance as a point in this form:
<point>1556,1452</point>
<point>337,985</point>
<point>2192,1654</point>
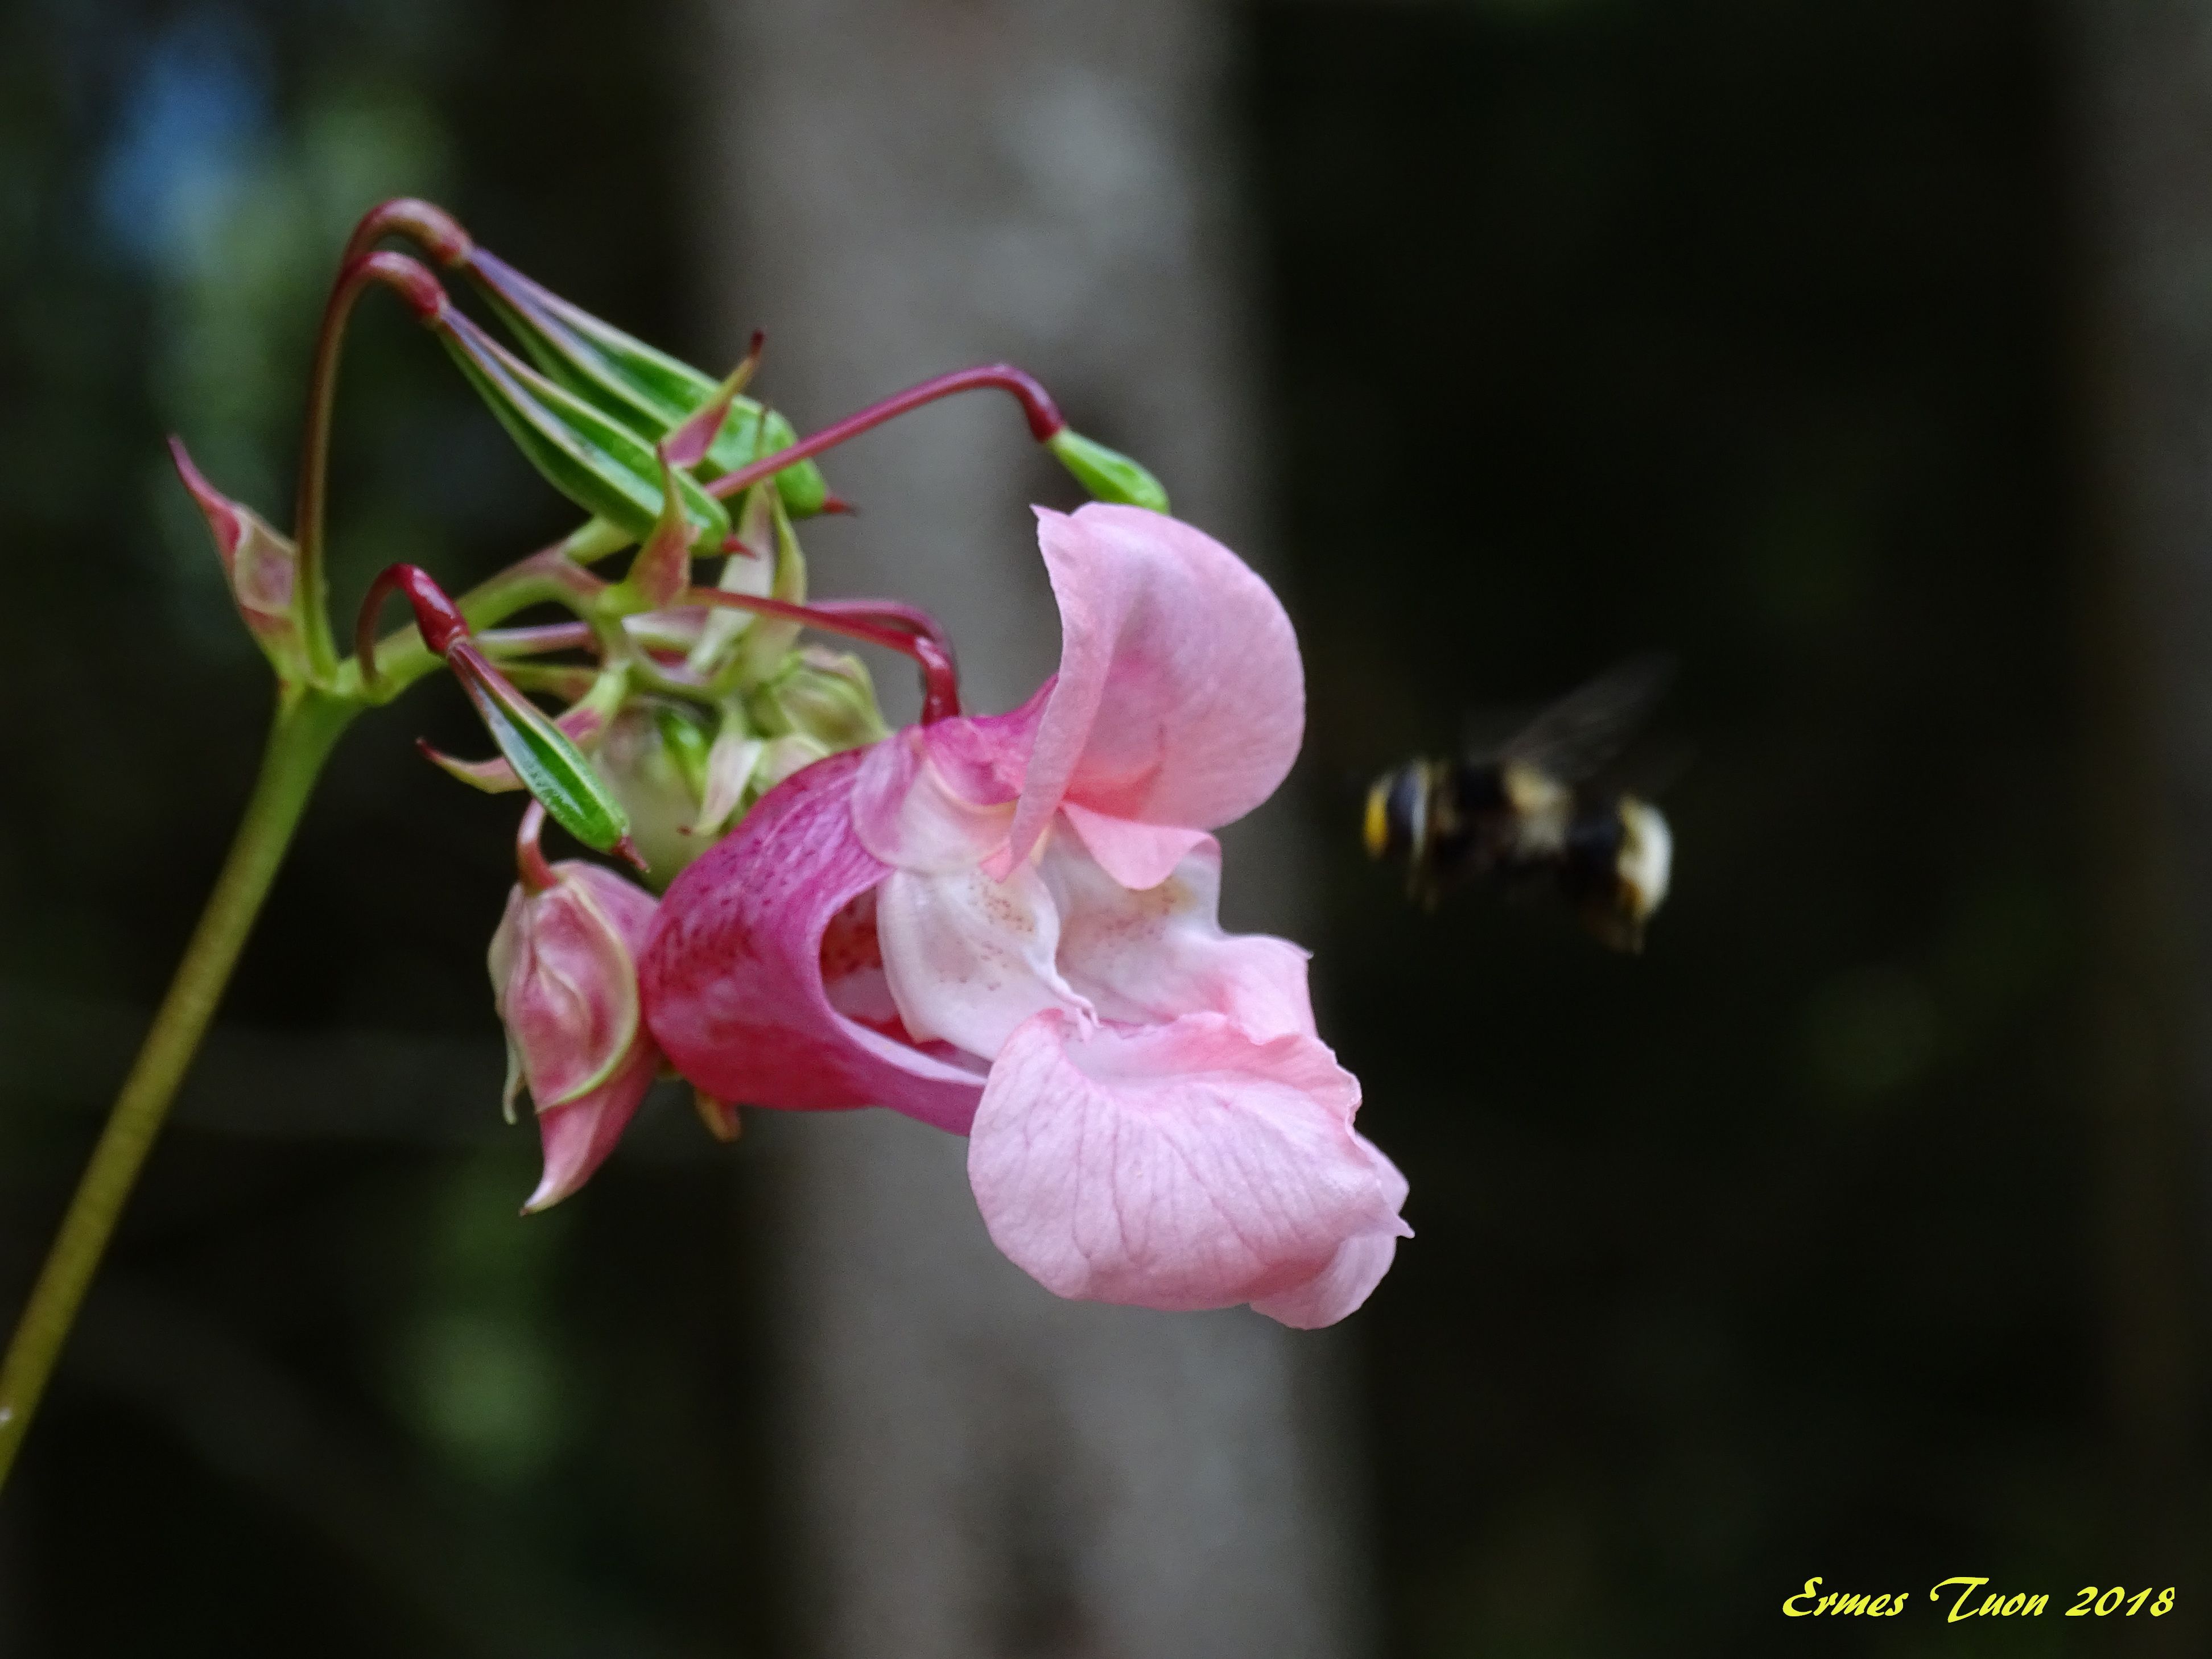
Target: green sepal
<point>594,460</point>
<point>1107,474</point>
<point>735,752</point>
<point>662,568</point>
<point>649,392</point>
<point>551,768</point>
<point>686,744</point>
<point>735,648</point>
<point>262,569</point>
<point>770,640</point>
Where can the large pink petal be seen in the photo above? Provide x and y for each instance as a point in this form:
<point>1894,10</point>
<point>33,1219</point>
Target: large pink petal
<point>1178,1166</point>
<point>1179,699</point>
<point>1354,1271</point>
<point>733,975</point>
<point>579,1136</point>
<point>1145,957</point>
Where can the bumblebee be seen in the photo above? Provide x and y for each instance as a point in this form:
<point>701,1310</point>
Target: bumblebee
<point>1525,815</point>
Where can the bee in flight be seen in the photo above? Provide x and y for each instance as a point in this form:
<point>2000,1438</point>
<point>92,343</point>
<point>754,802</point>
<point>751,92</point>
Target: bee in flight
<point>1525,814</point>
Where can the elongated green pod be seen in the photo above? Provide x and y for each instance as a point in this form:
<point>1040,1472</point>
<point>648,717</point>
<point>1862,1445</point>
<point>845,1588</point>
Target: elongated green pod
<point>639,385</point>
<point>552,768</point>
<point>593,460</point>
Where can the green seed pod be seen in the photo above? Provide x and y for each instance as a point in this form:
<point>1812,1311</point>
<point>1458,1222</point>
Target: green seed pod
<point>551,768</point>
<point>1107,474</point>
<point>594,460</point>
<point>649,392</point>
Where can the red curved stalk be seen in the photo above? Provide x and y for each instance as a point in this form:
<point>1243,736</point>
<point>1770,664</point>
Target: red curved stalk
<point>420,290</point>
<point>437,231</point>
<point>1043,415</point>
<point>436,614</point>
<point>912,634</point>
<point>530,865</point>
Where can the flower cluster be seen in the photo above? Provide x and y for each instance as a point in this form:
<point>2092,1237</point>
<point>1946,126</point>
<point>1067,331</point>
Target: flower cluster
<point>1003,926</point>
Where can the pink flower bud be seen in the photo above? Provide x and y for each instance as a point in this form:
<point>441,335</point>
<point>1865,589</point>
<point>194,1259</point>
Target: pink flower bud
<point>564,977</point>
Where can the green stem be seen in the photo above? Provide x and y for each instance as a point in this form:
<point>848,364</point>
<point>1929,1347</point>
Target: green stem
<point>306,728</point>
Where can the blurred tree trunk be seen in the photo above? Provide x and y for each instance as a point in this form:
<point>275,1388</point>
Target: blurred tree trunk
<point>2143,160</point>
<point>906,186</point>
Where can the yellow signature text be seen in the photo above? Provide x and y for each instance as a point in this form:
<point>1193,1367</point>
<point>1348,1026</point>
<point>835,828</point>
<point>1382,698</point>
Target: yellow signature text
<point>1811,1603</point>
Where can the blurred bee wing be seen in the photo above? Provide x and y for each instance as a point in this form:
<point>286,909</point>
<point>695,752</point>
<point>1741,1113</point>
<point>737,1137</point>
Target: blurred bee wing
<point>1578,734</point>
<point>1653,768</point>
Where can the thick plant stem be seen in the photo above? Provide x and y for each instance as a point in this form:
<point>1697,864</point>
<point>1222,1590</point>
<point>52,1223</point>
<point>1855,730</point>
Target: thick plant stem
<point>305,729</point>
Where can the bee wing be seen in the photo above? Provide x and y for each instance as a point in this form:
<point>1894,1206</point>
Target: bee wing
<point>1652,767</point>
<point>1578,734</point>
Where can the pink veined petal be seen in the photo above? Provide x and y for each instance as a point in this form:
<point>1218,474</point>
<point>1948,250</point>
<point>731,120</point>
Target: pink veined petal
<point>1147,956</point>
<point>1179,699</point>
<point>733,975</point>
<point>1354,1271</point>
<point>985,757</point>
<point>908,813</point>
<point>579,1137</point>
<point>621,901</point>
<point>1180,1166</point>
<point>970,958</point>
<point>1138,855</point>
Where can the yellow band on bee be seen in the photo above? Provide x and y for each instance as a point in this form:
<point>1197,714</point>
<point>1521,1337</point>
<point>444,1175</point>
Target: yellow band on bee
<point>1377,830</point>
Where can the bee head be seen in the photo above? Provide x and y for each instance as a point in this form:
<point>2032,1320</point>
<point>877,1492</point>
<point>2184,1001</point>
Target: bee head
<point>1397,818</point>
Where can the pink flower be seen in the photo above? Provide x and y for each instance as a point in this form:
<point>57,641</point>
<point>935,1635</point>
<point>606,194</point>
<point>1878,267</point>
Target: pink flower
<point>1007,927</point>
<point>564,976</point>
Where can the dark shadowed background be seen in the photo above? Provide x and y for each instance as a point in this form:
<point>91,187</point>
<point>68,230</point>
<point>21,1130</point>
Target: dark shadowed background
<point>1854,1230</point>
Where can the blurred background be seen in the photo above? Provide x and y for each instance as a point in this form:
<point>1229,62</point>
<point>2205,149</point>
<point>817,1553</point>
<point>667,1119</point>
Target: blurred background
<point>1857,352</point>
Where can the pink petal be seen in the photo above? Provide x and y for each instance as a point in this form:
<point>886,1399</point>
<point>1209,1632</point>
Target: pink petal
<point>968,958</point>
<point>1180,700</point>
<point>579,1136</point>
<point>1137,856</point>
<point>1148,956</point>
<point>985,757</point>
<point>732,976</point>
<point>1354,1271</point>
<point>1179,1166</point>
<point>908,813</point>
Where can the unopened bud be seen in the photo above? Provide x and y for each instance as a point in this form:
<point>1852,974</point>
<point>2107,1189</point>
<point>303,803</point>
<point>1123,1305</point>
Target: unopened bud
<point>654,758</point>
<point>1107,474</point>
<point>829,696</point>
<point>564,978</point>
